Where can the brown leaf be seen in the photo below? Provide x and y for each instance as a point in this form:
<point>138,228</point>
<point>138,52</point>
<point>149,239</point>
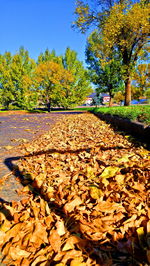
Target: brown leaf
<point>60,228</point>
<point>55,240</point>
<point>16,252</point>
<point>40,259</point>
<point>71,255</point>
<point>70,206</point>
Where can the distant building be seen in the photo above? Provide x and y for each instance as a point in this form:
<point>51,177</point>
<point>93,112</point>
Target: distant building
<point>92,99</point>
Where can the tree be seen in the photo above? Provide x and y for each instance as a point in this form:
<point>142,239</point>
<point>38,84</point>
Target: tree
<point>80,87</point>
<point>7,89</point>
<point>51,78</point>
<point>106,75</point>
<point>22,68</point>
<point>124,26</point>
<point>93,13</point>
<point>127,30</point>
<point>48,56</point>
<point>16,80</point>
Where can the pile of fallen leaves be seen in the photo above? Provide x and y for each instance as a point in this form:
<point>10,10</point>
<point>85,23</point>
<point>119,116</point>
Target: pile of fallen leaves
<point>86,200</point>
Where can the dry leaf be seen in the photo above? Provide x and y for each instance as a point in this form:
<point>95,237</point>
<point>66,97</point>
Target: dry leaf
<point>69,207</point>
<point>55,240</point>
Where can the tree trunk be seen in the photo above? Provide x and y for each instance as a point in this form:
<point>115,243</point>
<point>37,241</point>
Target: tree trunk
<point>110,101</point>
<point>110,95</point>
<point>49,106</point>
<point>127,92</point>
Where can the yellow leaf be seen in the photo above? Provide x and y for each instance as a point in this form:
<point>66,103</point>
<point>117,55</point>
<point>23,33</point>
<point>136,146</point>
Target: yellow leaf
<point>8,147</point>
<point>95,192</point>
<point>78,262</point>
<point>109,172</point>
<point>68,246</point>
<point>119,179</point>
<point>140,232</point>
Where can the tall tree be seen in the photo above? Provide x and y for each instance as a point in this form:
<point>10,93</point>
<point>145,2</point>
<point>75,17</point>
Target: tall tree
<point>92,13</point>
<point>106,75</point>
<point>124,26</point>
<point>51,77</point>
<point>127,30</point>
<point>80,87</point>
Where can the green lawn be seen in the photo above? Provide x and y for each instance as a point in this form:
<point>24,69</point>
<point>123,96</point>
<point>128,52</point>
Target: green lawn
<point>135,113</point>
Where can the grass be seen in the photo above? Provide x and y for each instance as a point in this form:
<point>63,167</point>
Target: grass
<point>134,113</point>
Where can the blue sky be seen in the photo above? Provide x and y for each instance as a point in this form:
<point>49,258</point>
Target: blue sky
<point>37,25</point>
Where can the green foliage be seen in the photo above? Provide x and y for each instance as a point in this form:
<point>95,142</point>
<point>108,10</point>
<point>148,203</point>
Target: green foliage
<point>60,81</point>
<point>106,75</point>
<point>48,56</point>
<point>80,86</point>
<point>16,87</point>
<point>139,113</point>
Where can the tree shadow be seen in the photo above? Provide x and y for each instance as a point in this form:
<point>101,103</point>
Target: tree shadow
<point>96,250</point>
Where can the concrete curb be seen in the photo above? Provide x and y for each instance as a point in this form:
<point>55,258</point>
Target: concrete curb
<point>137,129</point>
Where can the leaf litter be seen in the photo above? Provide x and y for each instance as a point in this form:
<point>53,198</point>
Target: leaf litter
<point>86,199</point>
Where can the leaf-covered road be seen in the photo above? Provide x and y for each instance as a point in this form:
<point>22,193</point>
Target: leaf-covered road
<point>86,199</point>
<point>18,127</point>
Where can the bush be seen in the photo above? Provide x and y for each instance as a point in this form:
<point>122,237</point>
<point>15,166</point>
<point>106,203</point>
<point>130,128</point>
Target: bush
<point>135,113</point>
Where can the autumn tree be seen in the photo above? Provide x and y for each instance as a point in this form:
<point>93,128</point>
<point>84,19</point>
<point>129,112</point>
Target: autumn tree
<point>127,29</point>
<point>124,26</point>
<point>105,74</point>
<point>92,14</point>
<point>51,78</point>
<point>80,87</point>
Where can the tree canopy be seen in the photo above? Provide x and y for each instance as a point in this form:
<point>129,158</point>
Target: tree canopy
<point>80,87</point>
<point>106,75</point>
<point>123,26</point>
<point>53,80</point>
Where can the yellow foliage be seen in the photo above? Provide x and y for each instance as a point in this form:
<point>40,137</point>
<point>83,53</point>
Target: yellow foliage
<point>124,25</point>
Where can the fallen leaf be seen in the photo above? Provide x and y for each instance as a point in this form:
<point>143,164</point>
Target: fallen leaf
<point>70,206</point>
<point>55,240</point>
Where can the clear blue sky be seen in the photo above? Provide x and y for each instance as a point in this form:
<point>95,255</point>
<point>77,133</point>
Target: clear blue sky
<point>37,25</point>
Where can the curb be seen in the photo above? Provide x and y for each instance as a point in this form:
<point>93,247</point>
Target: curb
<point>137,129</point>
